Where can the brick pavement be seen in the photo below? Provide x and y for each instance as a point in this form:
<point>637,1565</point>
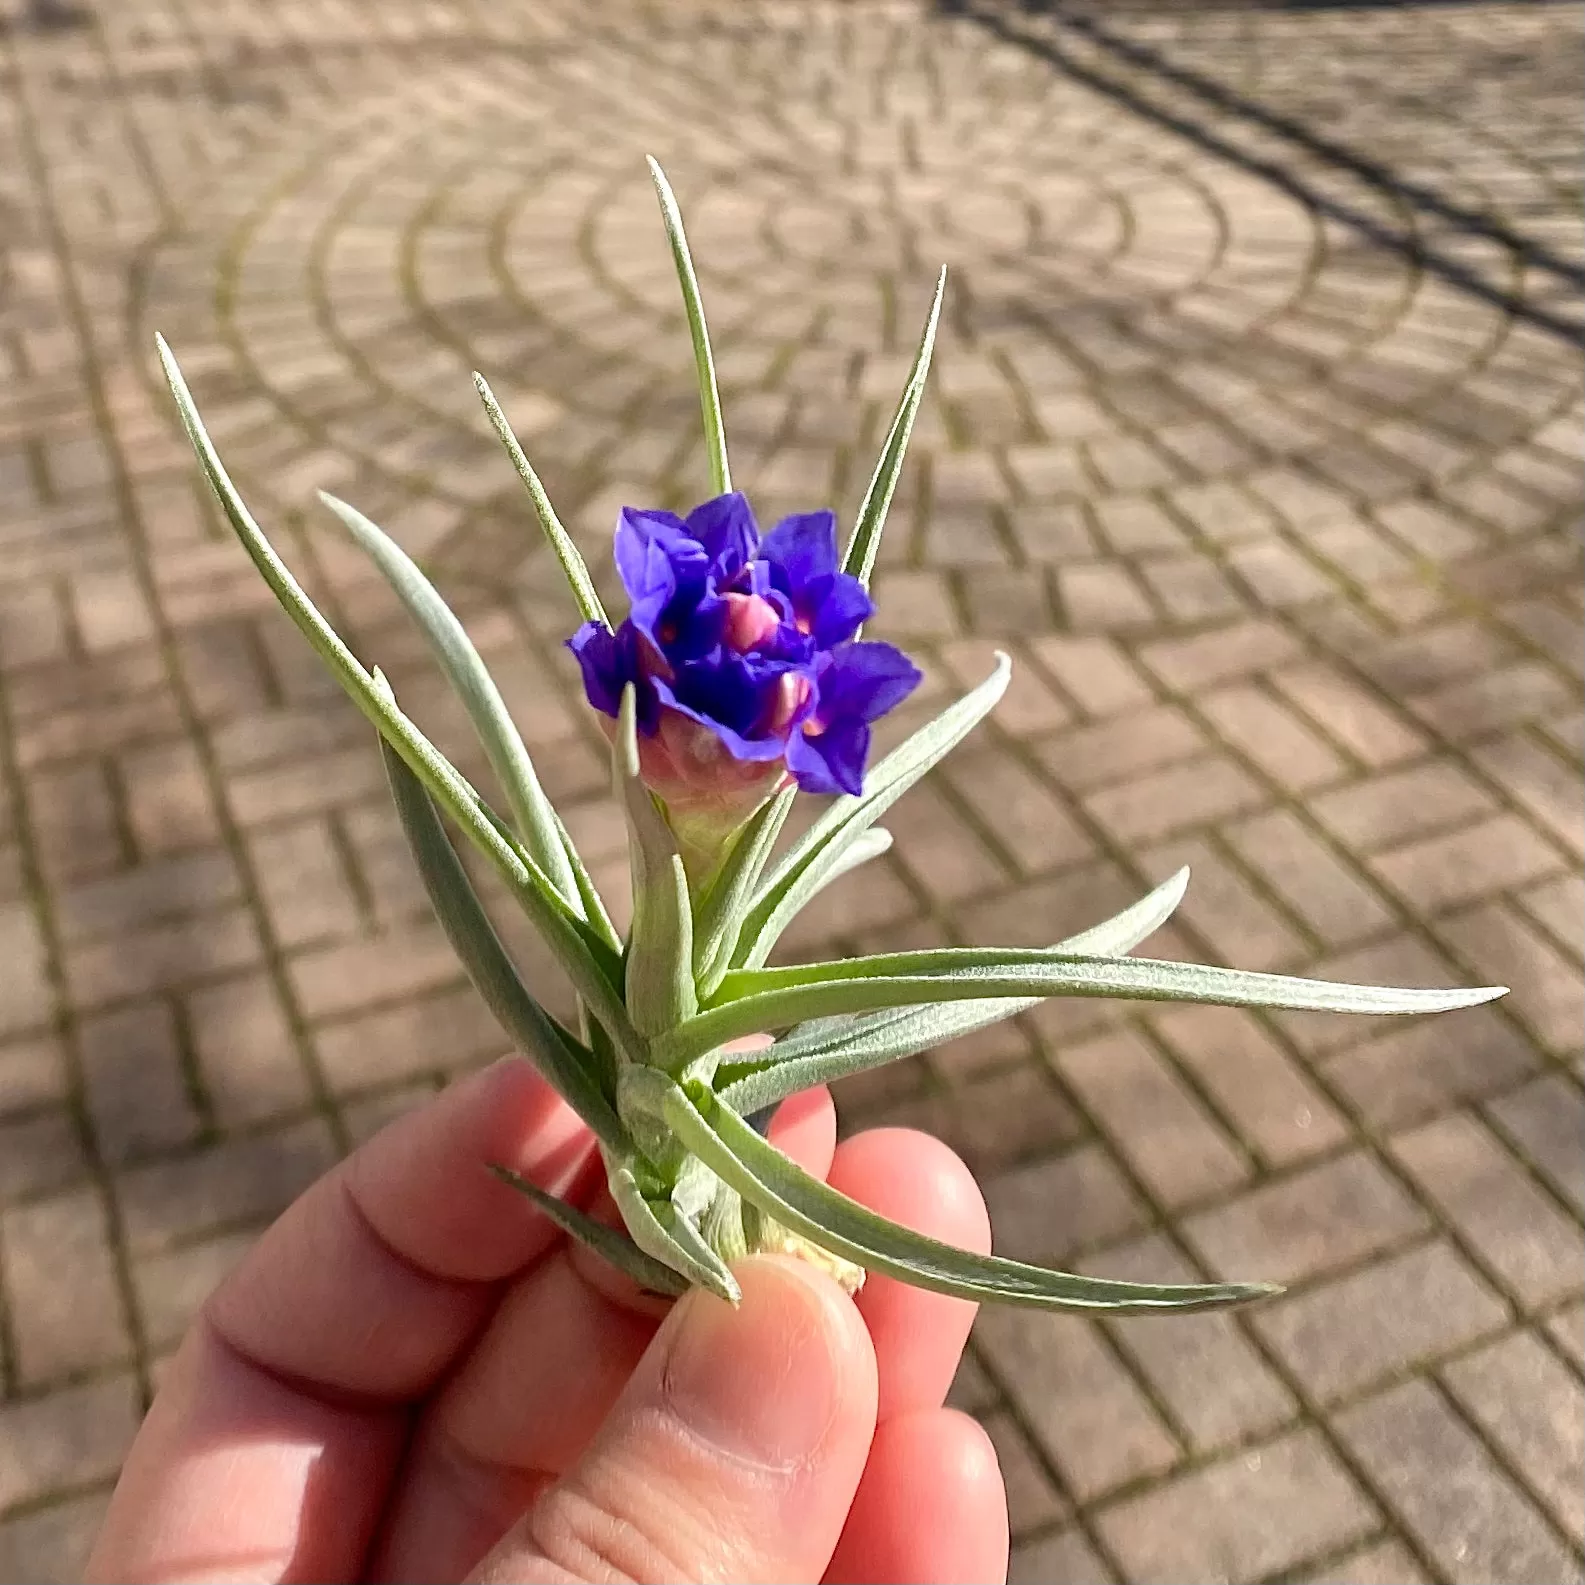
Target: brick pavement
<point>1255,435</point>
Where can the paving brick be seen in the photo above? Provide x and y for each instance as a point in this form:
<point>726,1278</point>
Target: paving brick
<point>307,786</point>
<point>76,827</point>
<point>1277,1111</point>
<point>164,888</point>
<point>1271,735</point>
<point>1558,905</point>
<point>111,610</point>
<point>1521,692</point>
<point>26,1001</point>
<point>1306,1224</point>
<point>1245,1517</point>
<point>1359,1330</point>
<point>1132,524</point>
<point>1174,1147</point>
<point>1044,1211</point>
<point>1535,1250</point>
<point>303,884</point>
<point>1032,1499</point>
<point>32,1074</point>
<point>137,1090</point>
<point>1180,1355</point>
<point>1355,718</point>
<point>239,1180</point>
<point>1533,1408</point>
<point>171,1286</point>
<point>421,1035</point>
<point>1417,1070</point>
<point>168,800</point>
<point>66,1438</point>
<point>1065,1557</point>
<point>1539,782</point>
<point>1102,597</point>
<point>51,1543</point>
<point>65,1312</point>
<point>1030,703</point>
<point>1567,1331</point>
<point>1244,648</point>
<point>938,847</point>
<point>1546,989</point>
<point>1196,792</point>
<point>1459,1506</point>
<point>1278,574</point>
<point>1393,808</point>
<point>246,1055</point>
<point>1033,824</point>
<point>1087,1416</point>
<point>1441,872</point>
<point>1124,746</point>
<point>1545,1122</point>
<point>347,978</point>
<point>1046,911</point>
<point>1191,588</point>
<point>1325,892</point>
<point>1381,1563</point>
<point>1094,672</point>
<point>1222,905</point>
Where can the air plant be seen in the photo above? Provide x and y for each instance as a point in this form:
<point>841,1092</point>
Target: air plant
<point>737,679</point>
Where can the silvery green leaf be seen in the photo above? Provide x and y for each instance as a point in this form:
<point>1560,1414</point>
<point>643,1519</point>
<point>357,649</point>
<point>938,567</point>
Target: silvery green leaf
<point>831,1048</point>
<point>584,955</point>
<point>588,893</point>
<point>808,865</point>
<point>859,558</point>
<point>761,999</point>
<point>871,845</point>
<point>785,1192</point>
<point>694,1259</point>
<point>704,361</point>
<point>659,974</point>
<point>568,1065</point>
<point>466,672</point>
<point>567,553</point>
<point>719,913</point>
<point>649,1273</point>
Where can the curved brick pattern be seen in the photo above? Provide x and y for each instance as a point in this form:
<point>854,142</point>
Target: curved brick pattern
<point>1254,435</point>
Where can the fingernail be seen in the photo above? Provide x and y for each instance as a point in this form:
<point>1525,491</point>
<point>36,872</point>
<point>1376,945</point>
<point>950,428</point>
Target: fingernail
<point>760,1382</point>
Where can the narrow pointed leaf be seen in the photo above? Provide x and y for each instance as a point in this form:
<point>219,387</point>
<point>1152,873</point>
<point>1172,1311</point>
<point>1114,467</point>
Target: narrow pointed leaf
<point>859,558</point>
<point>870,845</point>
<point>692,1260</point>
<point>704,360</point>
<point>808,865</point>
<point>659,974</point>
<point>784,1191</point>
<point>566,1063</point>
<point>718,917</point>
<point>466,672</point>
<point>588,893</point>
<point>832,1048</point>
<point>584,955</point>
<point>649,1273</point>
<point>763,999</point>
<point>573,566</point>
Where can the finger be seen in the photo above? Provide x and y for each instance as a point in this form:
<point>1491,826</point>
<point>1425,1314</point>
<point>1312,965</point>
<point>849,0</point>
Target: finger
<point>288,1392</point>
<point>930,1510</point>
<point>918,1181</point>
<point>534,1390</point>
<point>733,1454</point>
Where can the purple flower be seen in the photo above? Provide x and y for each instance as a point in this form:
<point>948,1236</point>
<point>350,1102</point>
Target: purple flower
<point>742,653</point>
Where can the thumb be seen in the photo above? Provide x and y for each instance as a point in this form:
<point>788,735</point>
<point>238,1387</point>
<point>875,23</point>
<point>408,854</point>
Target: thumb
<point>733,1453</point>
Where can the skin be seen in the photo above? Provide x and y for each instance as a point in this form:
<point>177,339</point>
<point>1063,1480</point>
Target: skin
<point>412,1376</point>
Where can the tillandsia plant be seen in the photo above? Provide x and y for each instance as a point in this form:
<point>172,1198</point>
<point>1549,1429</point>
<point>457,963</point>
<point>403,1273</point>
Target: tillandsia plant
<point>737,678</point>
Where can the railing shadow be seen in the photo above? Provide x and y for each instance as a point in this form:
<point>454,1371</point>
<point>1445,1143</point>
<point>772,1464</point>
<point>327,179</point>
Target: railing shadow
<point>1050,30</point>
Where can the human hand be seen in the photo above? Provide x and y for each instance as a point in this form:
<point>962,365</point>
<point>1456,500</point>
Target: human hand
<point>412,1376</point>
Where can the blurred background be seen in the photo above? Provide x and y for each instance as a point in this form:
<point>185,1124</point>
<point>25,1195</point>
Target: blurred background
<point>1255,436</point>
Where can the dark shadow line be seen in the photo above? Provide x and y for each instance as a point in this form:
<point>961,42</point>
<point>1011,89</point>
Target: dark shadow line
<point>1404,244</point>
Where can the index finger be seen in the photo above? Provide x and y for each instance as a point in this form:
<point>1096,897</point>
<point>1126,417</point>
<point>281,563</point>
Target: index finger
<point>287,1400</point>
